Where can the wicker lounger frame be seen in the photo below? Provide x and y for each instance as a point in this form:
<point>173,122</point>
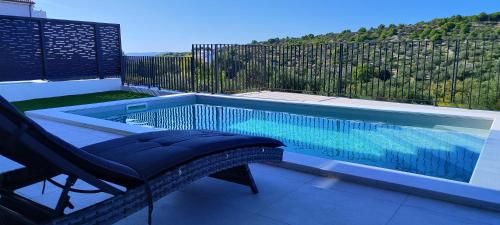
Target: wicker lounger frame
<point>118,207</point>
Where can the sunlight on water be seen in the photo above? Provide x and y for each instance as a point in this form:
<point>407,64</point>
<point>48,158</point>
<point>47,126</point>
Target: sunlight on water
<point>434,152</point>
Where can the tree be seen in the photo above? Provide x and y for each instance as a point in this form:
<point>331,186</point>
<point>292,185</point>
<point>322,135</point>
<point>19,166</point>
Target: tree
<point>425,33</point>
<point>384,75</point>
<point>436,37</point>
<point>456,18</point>
<point>391,31</point>
<point>367,73</point>
<point>273,40</point>
<point>448,26</point>
<point>437,29</point>
<point>465,29</point>
<point>362,37</point>
<point>495,17</point>
<point>309,36</point>
<point>363,74</point>
<point>484,17</point>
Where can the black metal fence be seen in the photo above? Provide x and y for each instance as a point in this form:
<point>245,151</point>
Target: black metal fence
<point>463,73</point>
<point>173,73</point>
<point>36,48</point>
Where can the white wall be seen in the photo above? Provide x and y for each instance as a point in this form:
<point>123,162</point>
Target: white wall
<point>19,91</point>
<point>19,9</point>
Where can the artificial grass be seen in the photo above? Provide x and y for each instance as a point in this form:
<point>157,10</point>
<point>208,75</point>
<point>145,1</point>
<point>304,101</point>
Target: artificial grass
<point>45,103</point>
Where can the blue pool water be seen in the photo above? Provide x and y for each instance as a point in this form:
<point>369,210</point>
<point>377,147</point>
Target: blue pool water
<point>428,151</point>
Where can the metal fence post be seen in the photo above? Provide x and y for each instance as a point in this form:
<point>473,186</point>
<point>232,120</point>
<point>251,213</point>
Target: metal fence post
<point>159,72</point>
<point>123,67</point>
<point>216,70</point>
<point>98,51</point>
<point>339,83</point>
<point>151,72</point>
<point>455,71</point>
<point>193,82</point>
<point>123,63</point>
<point>41,25</point>
<point>266,73</point>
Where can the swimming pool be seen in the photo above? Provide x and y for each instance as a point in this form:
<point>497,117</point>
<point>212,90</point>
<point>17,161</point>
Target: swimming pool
<point>417,145</point>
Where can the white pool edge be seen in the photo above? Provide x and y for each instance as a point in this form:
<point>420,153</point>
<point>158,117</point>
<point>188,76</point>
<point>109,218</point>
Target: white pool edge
<point>464,193</point>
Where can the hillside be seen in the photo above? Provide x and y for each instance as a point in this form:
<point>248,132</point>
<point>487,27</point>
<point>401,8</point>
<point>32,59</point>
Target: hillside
<point>473,27</point>
<point>176,54</point>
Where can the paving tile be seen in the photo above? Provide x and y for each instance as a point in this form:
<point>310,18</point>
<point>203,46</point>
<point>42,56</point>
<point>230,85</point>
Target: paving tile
<point>264,170</point>
<point>182,208</point>
<point>35,190</point>
<point>311,205</point>
<point>52,193</point>
<point>8,165</point>
<point>273,183</point>
<point>88,141</point>
<point>306,160</point>
<point>450,209</point>
<point>417,216</point>
<point>80,201</point>
<point>359,189</point>
<point>75,135</point>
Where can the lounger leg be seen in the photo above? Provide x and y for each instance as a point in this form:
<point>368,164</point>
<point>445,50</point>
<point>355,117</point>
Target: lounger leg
<point>64,199</point>
<point>240,175</point>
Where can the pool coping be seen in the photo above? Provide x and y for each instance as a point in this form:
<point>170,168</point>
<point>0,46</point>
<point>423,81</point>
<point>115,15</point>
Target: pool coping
<point>465,193</point>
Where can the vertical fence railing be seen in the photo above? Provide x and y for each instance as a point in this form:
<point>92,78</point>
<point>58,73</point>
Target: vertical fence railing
<point>172,73</point>
<point>463,73</point>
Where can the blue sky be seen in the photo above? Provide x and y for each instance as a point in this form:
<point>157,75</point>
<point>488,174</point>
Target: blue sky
<point>173,25</point>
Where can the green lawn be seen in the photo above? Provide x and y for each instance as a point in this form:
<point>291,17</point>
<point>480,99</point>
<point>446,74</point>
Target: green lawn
<point>44,103</point>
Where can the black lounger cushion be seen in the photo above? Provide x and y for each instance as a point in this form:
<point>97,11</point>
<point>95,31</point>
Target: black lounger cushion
<point>29,152</point>
<point>126,161</point>
<point>152,153</point>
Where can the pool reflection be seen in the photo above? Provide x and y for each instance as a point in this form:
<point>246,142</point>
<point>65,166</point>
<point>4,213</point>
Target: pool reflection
<point>438,153</point>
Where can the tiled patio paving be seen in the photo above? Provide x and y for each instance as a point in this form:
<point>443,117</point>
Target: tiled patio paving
<point>286,197</point>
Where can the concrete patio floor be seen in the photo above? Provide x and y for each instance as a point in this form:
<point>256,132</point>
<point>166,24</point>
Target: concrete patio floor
<point>286,197</point>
